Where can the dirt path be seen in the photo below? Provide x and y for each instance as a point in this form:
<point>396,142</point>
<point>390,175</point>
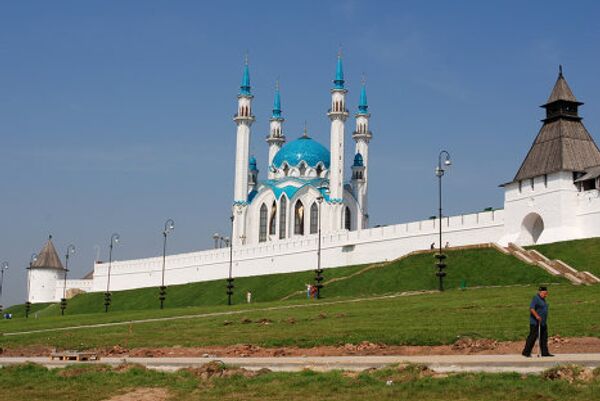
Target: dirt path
<point>142,394</point>
<point>464,346</point>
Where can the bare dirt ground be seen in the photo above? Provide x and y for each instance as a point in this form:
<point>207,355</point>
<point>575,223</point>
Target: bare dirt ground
<point>463,346</point>
<point>142,394</point>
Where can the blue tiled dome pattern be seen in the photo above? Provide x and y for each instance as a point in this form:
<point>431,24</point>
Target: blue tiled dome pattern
<point>302,149</point>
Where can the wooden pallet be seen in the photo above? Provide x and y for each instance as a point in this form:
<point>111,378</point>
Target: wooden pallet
<point>74,356</point>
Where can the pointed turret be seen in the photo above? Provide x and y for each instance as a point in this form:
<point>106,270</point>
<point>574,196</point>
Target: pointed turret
<point>48,258</point>
<point>338,115</point>
<point>338,82</point>
<point>360,172</point>
<point>362,103</point>
<point>563,143</point>
<point>275,139</point>
<point>245,86</point>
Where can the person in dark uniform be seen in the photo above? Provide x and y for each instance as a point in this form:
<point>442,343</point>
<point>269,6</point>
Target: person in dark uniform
<point>538,318</point>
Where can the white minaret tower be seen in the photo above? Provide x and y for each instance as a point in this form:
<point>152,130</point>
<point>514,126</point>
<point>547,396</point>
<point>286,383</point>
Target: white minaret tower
<point>275,139</point>
<point>337,114</point>
<point>243,119</point>
<point>362,136</point>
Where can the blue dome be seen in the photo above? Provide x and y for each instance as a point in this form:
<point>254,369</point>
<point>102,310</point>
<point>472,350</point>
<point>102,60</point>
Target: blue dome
<point>302,149</point>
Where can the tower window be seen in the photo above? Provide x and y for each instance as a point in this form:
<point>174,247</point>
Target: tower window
<point>302,169</point>
<point>545,180</point>
<point>262,230</point>
<point>286,169</point>
<point>533,184</point>
<point>319,170</point>
<point>299,218</point>
<point>520,186</point>
<point>282,213</point>
<point>314,218</point>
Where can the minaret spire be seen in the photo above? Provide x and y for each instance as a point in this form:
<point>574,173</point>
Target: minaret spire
<point>360,170</point>
<point>243,120</point>
<point>245,86</point>
<point>275,139</point>
<point>338,115</point>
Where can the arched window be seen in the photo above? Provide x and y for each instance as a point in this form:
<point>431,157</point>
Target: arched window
<point>262,229</point>
<point>282,212</point>
<point>302,169</point>
<point>314,218</point>
<point>273,219</point>
<point>319,170</point>
<point>347,218</point>
<point>286,169</point>
<point>299,218</point>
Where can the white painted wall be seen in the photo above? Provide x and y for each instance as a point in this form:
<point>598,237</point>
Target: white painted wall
<point>299,254</point>
<point>42,284</point>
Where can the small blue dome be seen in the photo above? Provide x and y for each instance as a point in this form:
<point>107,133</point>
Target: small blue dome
<point>252,163</point>
<point>302,149</point>
<point>358,160</point>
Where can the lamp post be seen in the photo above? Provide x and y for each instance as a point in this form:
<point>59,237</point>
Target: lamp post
<point>3,268</point>
<point>63,300</point>
<point>169,227</point>
<point>114,239</point>
<point>319,271</point>
<point>28,302</point>
<point>444,163</point>
<point>230,278</point>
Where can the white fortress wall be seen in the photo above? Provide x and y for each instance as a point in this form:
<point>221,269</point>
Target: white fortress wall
<point>588,213</point>
<point>75,284</point>
<point>299,253</point>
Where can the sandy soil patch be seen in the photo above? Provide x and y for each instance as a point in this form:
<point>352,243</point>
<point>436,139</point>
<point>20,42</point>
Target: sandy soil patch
<point>142,394</point>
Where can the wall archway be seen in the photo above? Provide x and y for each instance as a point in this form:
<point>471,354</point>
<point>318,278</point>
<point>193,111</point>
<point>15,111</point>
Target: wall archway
<point>531,229</point>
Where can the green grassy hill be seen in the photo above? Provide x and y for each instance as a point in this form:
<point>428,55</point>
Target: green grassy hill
<point>473,267</point>
<point>581,254</point>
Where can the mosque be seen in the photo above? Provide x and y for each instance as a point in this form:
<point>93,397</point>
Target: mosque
<point>304,203</point>
<point>304,179</point>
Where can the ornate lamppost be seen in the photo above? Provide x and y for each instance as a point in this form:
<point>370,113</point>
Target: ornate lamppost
<point>230,278</point>
<point>3,268</point>
<point>319,271</point>
<point>114,239</point>
<point>28,303</point>
<point>63,300</point>
<point>169,227</point>
<point>444,163</point>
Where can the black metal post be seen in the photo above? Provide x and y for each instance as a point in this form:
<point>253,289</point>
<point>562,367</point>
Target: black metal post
<point>319,271</point>
<point>63,300</point>
<point>107,295</point>
<point>230,285</point>
<point>169,226</point>
<point>3,268</point>
<point>439,172</point>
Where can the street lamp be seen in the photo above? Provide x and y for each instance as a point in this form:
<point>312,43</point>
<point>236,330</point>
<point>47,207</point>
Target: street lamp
<point>230,278</point>
<point>28,302</point>
<point>169,227</point>
<point>3,268</point>
<point>444,163</point>
<point>114,239</point>
<point>319,271</point>
<point>63,300</point>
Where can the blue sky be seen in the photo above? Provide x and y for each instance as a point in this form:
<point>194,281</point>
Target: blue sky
<point>116,115</point>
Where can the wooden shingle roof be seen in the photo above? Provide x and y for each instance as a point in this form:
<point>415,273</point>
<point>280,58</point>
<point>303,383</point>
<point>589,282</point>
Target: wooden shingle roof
<point>563,143</point>
<point>48,258</point>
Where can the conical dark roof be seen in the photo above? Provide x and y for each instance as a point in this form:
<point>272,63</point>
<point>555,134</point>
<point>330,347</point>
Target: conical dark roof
<point>48,258</point>
<point>561,91</point>
<point>563,143</point>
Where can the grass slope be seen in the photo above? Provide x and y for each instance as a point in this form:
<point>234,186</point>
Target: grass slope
<point>95,383</point>
<point>474,267</point>
<point>438,318</point>
<point>581,254</point>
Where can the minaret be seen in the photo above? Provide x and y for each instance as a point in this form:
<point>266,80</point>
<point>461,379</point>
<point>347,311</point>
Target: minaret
<point>362,136</point>
<point>337,114</point>
<point>275,139</point>
<point>243,119</point>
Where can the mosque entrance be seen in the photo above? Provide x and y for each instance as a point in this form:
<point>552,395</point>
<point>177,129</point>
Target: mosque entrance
<point>531,229</point>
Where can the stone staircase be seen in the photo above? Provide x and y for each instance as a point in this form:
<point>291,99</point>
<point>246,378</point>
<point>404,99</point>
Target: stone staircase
<point>554,267</point>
